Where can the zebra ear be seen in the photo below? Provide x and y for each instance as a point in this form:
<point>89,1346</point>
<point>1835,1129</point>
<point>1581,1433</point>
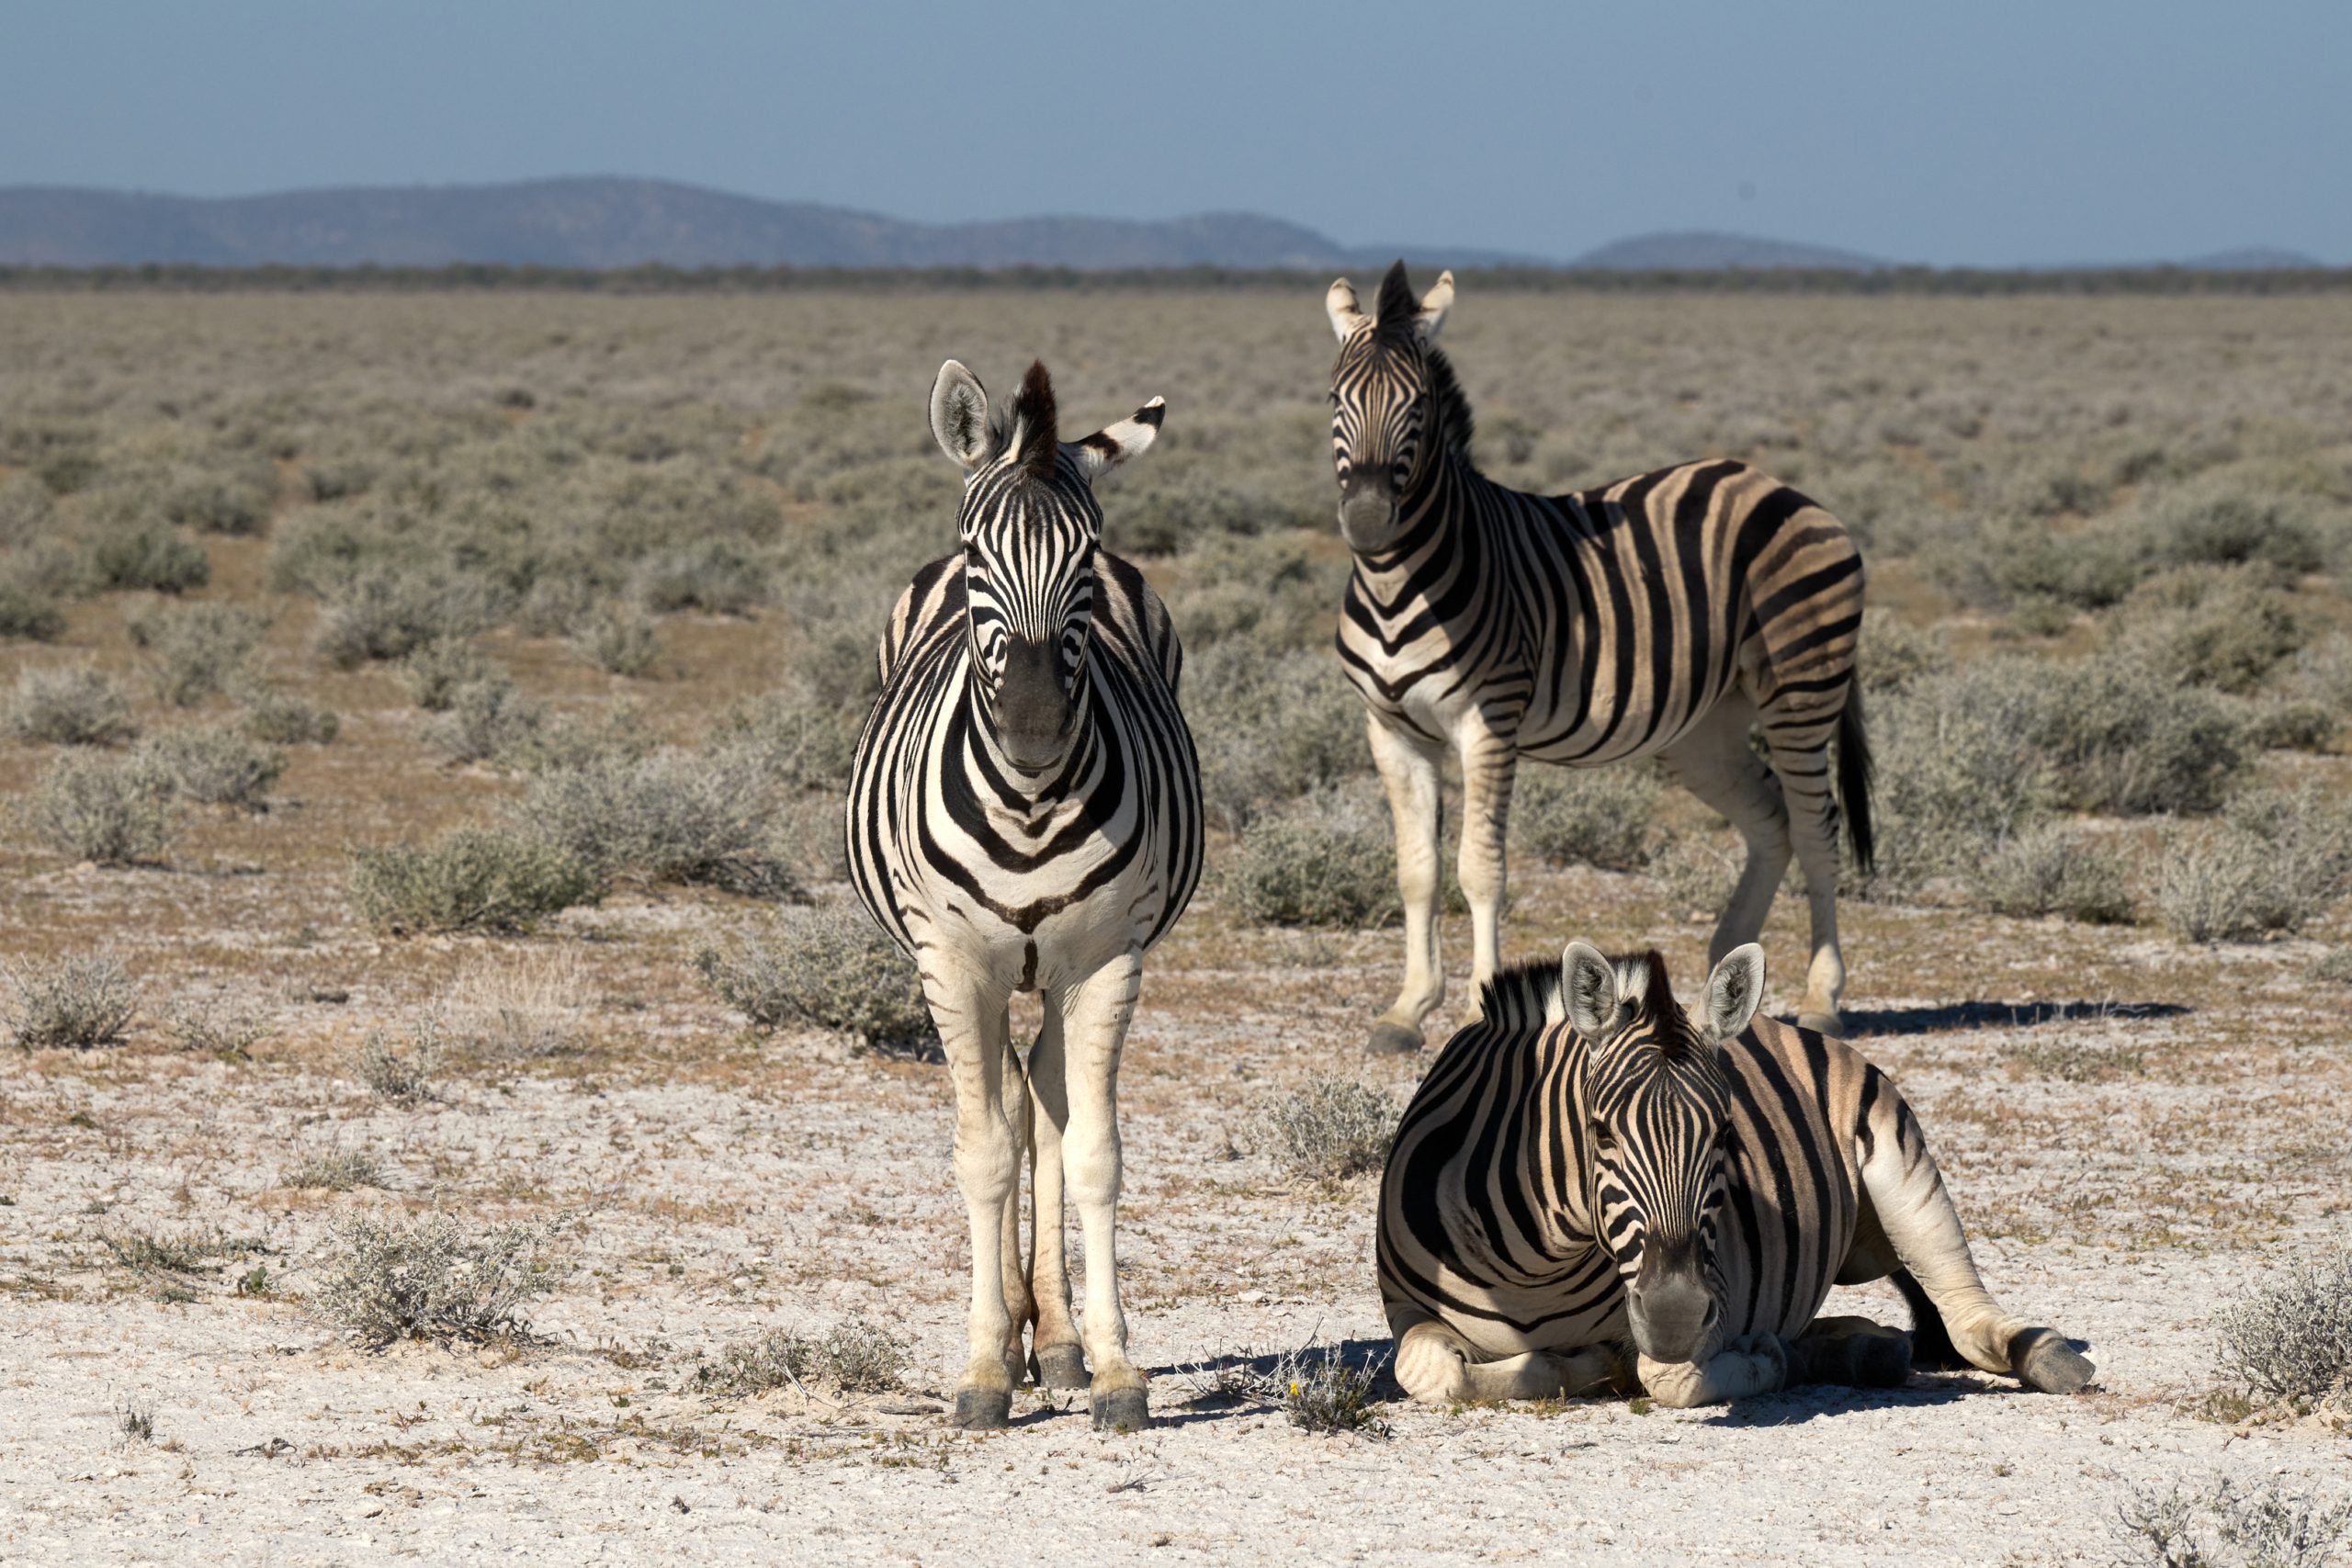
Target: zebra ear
<point>1116,444</point>
<point>1434,305</point>
<point>959,416</point>
<point>1589,981</point>
<point>1735,991</point>
<point>1339,304</point>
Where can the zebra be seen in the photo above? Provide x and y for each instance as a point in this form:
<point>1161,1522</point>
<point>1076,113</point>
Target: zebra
<point>1594,1186</point>
<point>1663,615</point>
<point>1025,815</point>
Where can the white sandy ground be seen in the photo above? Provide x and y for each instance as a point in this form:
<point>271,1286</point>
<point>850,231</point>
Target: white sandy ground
<point>806,1186</point>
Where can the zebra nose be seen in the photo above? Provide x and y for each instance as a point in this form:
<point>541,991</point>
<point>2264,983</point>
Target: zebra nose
<point>1667,1310</point>
<point>1033,709</point>
<point>1366,515</point>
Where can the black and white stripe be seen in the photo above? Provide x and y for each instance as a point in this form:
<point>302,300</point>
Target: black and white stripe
<point>1025,815</point>
<point>1660,615</point>
<point>1593,1185</point>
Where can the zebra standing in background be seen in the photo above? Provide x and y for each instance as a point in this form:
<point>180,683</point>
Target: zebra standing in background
<point>1658,615</point>
<point>1589,1165</point>
<point>1025,815</point>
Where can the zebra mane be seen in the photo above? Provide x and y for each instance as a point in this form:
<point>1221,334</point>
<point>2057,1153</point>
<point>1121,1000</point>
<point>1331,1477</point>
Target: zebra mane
<point>1031,423</point>
<point>1657,1008</point>
<point>1525,996</point>
<point>1456,425</point>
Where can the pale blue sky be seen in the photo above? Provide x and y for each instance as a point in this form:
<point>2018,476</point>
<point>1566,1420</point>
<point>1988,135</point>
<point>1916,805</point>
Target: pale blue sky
<point>1981,132</point>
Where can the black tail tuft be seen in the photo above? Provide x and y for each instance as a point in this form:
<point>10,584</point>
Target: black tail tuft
<point>1931,1346</point>
<point>1854,781</point>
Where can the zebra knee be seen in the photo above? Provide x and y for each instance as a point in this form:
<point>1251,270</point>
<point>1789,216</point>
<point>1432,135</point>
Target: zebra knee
<point>1431,1363</point>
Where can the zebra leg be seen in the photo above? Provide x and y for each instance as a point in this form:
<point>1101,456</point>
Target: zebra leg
<point>1095,1014</point>
<point>1852,1351</point>
<point>1796,732</point>
<point>970,1014</point>
<point>1056,1357</point>
<point>1020,1304</point>
<point>1408,771</point>
<point>1714,762</point>
<point>1490,763</point>
<point>1753,1363</point>
<point>1436,1365</point>
<point>1916,1212</point>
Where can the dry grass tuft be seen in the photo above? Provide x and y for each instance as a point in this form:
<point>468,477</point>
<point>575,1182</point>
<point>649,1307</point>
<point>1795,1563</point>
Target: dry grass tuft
<point>830,968</point>
<point>2223,1524</point>
<point>855,1356</point>
<point>72,1003</point>
<point>436,1279</point>
<point>1330,1131</point>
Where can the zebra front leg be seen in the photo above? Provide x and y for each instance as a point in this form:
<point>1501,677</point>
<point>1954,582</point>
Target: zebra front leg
<point>1055,1350</point>
<point>1095,1014</point>
<point>970,1014</point>
<point>1020,1303</point>
<point>1436,1365</point>
<point>1907,1192</point>
<point>1490,763</point>
<point>1751,1364</point>
<point>1853,1352</point>
<point>1408,772</point>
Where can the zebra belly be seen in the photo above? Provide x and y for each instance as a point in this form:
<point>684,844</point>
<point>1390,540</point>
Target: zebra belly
<point>1057,951</point>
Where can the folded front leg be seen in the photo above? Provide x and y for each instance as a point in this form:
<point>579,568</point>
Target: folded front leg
<point>1753,1363</point>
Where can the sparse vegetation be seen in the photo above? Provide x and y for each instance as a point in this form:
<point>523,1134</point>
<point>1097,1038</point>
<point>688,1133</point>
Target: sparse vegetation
<point>215,764</point>
<point>672,817</point>
<point>69,705</point>
<point>2291,1338</point>
<point>1326,860</point>
<point>73,1003</point>
<point>343,1171</point>
<point>437,1277</point>
<point>826,967</point>
<point>1597,816</point>
<point>473,879</point>
<point>2054,869</point>
<point>1330,1130</point>
<point>230,1031</point>
<point>855,1356</point>
<point>195,649</point>
<point>2224,1524</point>
<point>401,1073</point>
<point>107,810</point>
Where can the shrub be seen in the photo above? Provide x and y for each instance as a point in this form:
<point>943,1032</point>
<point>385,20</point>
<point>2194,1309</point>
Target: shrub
<point>795,741</point>
<point>1322,1394</point>
<point>830,968</point>
<point>523,1009</point>
<point>855,1356</point>
<point>1698,871</point>
<point>435,671</point>
<point>384,614</point>
<point>618,642</point>
<point>1891,653</point>
<point>2221,1525</point>
<point>398,1076</point>
<point>2292,724</point>
<point>114,811</point>
<point>149,555</point>
<point>1597,815</point>
<point>2275,862</point>
<point>216,764</point>
<point>2208,626</point>
<point>343,1171</point>
<point>235,503</point>
<point>1275,727</point>
<point>29,614</point>
<point>197,649</point>
<point>71,705</point>
<point>674,817</point>
<point>2214,885</point>
<point>2122,738</point>
<point>2056,869</point>
<point>231,1032</point>
<point>282,718</point>
<point>72,1002</point>
<point>473,879</point>
<point>2335,966</point>
<point>488,720</point>
<point>434,1278</point>
<point>2290,1337</point>
<point>1332,1129</point>
<point>1323,861</point>
<point>2225,520</point>
<point>717,575</point>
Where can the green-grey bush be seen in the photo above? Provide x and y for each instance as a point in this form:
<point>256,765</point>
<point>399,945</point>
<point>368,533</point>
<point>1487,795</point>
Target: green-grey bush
<point>1328,859</point>
<point>2290,1336</point>
<point>435,1278</point>
<point>112,810</point>
<point>2055,869</point>
<point>197,649</point>
<point>472,879</point>
<point>855,1356</point>
<point>146,555</point>
<point>215,764</point>
<point>1585,815</point>
<point>2276,861</point>
<point>389,614</point>
<point>283,719</point>
<point>487,720</point>
<point>231,500</point>
<point>828,967</point>
<point>433,672</point>
<point>2222,1523</point>
<point>1269,729</point>
<point>1331,1129</point>
<point>672,817</point>
<point>617,640</point>
<point>30,615</point>
<point>72,1003</point>
<point>69,704</point>
<point>2222,627</point>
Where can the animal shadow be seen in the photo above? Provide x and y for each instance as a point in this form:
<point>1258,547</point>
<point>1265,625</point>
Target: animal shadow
<point>1864,1022</point>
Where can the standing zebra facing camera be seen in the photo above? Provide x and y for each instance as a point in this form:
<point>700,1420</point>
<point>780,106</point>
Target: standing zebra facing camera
<point>1025,815</point>
<point>1591,1169</point>
<point>1661,615</point>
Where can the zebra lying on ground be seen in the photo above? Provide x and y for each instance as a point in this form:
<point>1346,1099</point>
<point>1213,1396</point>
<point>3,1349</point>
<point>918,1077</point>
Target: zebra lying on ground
<point>1659,615</point>
<point>1589,1170</point>
<point>1025,815</point>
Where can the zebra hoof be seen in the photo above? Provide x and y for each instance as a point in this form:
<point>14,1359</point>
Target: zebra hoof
<point>1827,1023</point>
<point>1059,1366</point>
<point>2041,1359</point>
<point>1122,1410</point>
<point>1882,1360</point>
<point>983,1409</point>
<point>1392,1040</point>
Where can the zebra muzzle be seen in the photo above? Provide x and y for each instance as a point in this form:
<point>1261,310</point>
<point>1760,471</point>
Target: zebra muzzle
<point>1034,715</point>
<point>1366,518</point>
<point>1669,1312</point>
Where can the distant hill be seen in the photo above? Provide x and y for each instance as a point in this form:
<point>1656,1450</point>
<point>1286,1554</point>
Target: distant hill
<point>2254,258</point>
<point>595,222</point>
<point>1703,250</point>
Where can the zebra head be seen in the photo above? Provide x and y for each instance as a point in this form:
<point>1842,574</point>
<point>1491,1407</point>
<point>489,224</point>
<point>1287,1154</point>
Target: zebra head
<point>1030,528</point>
<point>1656,1115</point>
<point>1383,402</point>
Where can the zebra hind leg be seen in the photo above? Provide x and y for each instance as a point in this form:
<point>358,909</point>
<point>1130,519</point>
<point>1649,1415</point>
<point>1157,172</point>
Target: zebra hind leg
<point>1715,763</point>
<point>1056,1359</point>
<point>1853,1352</point>
<point>1798,738</point>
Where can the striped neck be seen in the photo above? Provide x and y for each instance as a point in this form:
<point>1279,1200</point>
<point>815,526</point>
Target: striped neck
<point>1437,502</point>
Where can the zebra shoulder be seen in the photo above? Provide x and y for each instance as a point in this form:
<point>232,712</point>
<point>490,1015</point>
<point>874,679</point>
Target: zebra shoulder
<point>1140,614</point>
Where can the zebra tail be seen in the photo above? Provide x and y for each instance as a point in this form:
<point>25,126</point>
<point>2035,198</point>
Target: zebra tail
<point>1931,1345</point>
<point>1854,781</point>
